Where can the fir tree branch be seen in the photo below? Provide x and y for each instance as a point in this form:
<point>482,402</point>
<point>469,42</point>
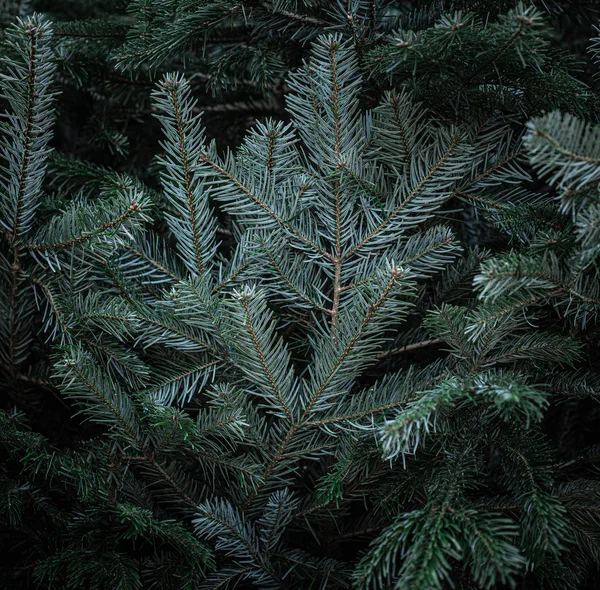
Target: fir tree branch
<point>33,33</point>
<point>272,465</point>
<point>337,289</point>
<point>577,157</point>
<point>255,199</point>
<point>358,415</point>
<point>350,345</point>
<point>524,21</point>
<point>128,424</point>
<point>110,354</point>
<point>177,332</point>
<point>384,224</point>
<point>394,102</point>
<point>220,519</point>
<point>71,365</point>
<point>559,286</point>
<point>190,197</point>
<point>261,355</point>
<point>230,278</point>
<point>108,226</point>
<point>26,87</point>
<point>131,248</point>
<point>288,281</point>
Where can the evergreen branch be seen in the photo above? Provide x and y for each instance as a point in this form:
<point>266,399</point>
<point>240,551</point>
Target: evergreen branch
<point>124,210</point>
<point>230,278</point>
<point>489,314</point>
<point>24,147</point>
<point>263,361</point>
<point>337,290</point>
<point>523,20</point>
<point>262,205</point>
<point>143,256</point>
<point>497,166</point>
<point>483,200</point>
<point>358,415</point>
<point>181,337</point>
<point>263,357</point>
<point>221,520</point>
<point>406,202</point>
<point>530,274</point>
<point>118,407</point>
<point>350,345</point>
<point>170,481</point>
<point>368,187</point>
<point>441,240</point>
<point>399,129</point>
<point>278,513</point>
<point>187,180</point>
<point>335,100</point>
<point>173,34</point>
<point>26,134</point>
<point>287,280</point>
<point>426,563</point>
<point>166,390</point>
<point>444,322</point>
<point>494,557</point>
<point>26,86</point>
<point>194,227</point>
<point>394,103</point>
<point>423,254</point>
<point>280,453</point>
<point>135,372</point>
<point>541,348</point>
<point>324,99</point>
<point>108,226</point>
<point>544,520</point>
<point>223,579</point>
<point>565,149</point>
<point>58,312</point>
<point>188,292</point>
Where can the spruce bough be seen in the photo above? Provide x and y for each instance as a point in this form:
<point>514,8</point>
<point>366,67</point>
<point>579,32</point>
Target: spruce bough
<point>226,342</point>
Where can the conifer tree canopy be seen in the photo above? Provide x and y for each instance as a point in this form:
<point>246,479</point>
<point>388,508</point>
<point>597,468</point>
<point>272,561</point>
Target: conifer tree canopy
<point>299,294</point>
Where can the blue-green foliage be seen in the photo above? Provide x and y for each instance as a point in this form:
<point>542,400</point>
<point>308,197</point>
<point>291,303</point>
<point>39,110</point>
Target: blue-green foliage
<point>231,335</point>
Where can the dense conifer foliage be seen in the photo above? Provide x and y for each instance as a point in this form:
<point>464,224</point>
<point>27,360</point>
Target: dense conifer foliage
<point>299,294</point>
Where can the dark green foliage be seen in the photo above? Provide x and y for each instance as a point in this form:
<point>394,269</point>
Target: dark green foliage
<point>351,347</point>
